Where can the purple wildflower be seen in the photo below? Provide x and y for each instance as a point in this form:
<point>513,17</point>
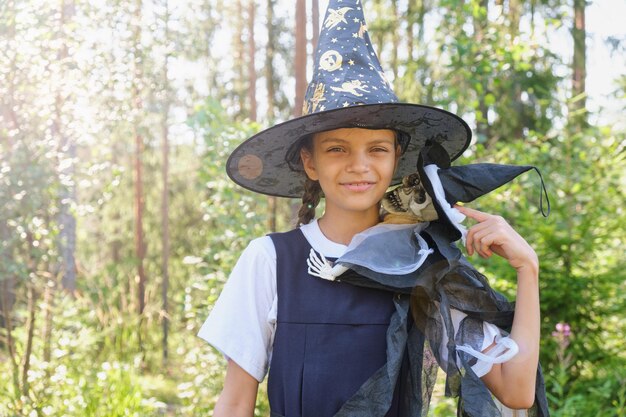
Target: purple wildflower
<point>562,334</point>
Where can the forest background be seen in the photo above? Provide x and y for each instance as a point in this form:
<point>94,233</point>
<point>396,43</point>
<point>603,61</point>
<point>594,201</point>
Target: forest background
<point>118,226</point>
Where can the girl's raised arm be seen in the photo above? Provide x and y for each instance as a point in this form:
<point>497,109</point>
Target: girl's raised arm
<point>512,382</point>
<point>238,396</point>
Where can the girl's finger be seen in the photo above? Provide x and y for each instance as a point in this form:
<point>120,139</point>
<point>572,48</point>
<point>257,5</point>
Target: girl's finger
<point>479,216</point>
<point>480,226</point>
<point>470,238</point>
<point>482,240</point>
<point>469,242</point>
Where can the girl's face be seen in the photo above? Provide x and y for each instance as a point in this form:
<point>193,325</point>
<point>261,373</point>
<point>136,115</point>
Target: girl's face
<point>353,166</point>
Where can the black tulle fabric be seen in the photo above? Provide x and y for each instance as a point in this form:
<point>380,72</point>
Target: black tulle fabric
<point>446,280</point>
<point>424,300</point>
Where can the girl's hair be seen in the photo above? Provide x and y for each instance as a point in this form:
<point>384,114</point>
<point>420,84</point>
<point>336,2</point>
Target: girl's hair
<point>312,190</point>
<point>310,200</point>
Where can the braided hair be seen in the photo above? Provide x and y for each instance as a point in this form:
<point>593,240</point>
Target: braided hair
<point>312,190</point>
<point>310,200</point>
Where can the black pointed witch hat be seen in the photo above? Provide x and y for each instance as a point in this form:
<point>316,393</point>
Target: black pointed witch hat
<point>465,183</point>
<point>348,89</point>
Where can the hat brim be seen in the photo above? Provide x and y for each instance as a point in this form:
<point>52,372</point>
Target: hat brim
<point>259,164</point>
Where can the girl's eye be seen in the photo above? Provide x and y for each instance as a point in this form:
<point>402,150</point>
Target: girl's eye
<point>334,149</point>
<point>380,149</point>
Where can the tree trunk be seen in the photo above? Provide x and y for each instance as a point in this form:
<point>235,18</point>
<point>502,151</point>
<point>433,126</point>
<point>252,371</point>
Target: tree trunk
<point>116,241</point>
<point>209,26</point>
<point>67,150</point>
<point>7,109</point>
<point>379,35</point>
<point>67,221</point>
<point>239,59</point>
<point>139,146</point>
<point>421,17</point>
<point>7,288</point>
<point>270,53</point>
<point>300,72</point>
<point>30,334</point>
<point>315,20</point>
<point>578,106</point>
<point>272,211</point>
<point>395,39</point>
<point>410,20</point>
<point>48,305</point>
<point>532,18</point>
<point>165,228</point>
<point>5,302</point>
<point>300,57</point>
<point>421,54</point>
<point>577,121</point>
<point>251,61</point>
<point>30,323</point>
<point>271,94</point>
<point>482,122</point>
<point>515,12</point>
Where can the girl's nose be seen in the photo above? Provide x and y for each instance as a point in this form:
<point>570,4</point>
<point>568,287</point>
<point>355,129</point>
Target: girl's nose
<point>358,163</point>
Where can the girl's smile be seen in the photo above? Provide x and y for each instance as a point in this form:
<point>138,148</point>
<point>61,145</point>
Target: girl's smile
<point>359,186</point>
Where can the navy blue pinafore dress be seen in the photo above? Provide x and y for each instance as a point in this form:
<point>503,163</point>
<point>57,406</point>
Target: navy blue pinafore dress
<point>330,337</point>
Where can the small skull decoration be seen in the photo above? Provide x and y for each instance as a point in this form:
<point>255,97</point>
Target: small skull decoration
<point>408,203</point>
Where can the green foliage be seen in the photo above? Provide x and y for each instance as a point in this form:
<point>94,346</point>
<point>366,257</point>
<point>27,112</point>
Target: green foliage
<point>80,379</point>
<point>580,247</point>
<point>495,74</point>
<point>97,367</point>
<point>235,216</point>
<point>93,355</point>
<point>27,207</point>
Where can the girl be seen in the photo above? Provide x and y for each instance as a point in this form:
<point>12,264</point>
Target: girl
<point>328,342</point>
<point>354,168</point>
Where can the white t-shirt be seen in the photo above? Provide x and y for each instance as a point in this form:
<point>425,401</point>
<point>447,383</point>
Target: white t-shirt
<point>243,320</point>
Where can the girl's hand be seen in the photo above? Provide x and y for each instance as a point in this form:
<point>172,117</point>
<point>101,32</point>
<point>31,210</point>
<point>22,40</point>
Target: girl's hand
<point>492,234</point>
